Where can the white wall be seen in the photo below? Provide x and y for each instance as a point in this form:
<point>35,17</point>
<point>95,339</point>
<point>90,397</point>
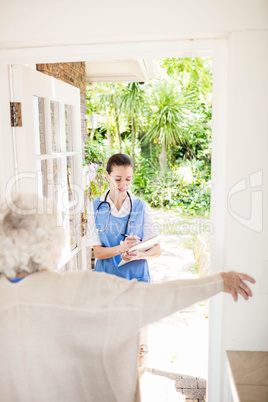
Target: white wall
<point>245,324</point>
<point>247,153</point>
<point>31,23</point>
<point>6,134</point>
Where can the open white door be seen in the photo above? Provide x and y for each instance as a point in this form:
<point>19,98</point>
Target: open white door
<point>48,151</point>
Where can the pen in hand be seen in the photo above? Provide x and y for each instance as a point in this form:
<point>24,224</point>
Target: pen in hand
<point>126,235</point>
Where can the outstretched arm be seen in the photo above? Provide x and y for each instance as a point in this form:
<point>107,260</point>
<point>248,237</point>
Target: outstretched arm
<point>165,298</point>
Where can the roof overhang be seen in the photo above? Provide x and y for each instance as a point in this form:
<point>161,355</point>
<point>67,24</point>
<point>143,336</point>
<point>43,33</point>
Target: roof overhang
<point>128,70</point>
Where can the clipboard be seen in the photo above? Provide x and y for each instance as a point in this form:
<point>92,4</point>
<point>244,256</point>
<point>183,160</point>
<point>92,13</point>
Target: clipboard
<point>143,246</point>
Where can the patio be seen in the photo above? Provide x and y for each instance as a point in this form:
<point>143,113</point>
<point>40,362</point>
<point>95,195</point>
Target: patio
<point>178,351</point>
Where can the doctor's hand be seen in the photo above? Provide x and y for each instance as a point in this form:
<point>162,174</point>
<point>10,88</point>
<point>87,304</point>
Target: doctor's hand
<point>154,251</point>
<point>128,243</point>
<point>234,284</point>
<point>131,256</point>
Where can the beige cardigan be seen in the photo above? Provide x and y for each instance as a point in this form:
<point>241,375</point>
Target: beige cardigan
<point>75,337</point>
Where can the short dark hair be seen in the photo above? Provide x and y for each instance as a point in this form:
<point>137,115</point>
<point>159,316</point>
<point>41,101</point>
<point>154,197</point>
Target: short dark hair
<point>118,160</point>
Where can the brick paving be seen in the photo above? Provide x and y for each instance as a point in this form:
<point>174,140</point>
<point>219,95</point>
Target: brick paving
<point>176,388</point>
<point>177,362</point>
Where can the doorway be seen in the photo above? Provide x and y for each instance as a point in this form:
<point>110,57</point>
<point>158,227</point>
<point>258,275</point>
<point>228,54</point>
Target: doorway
<point>178,345</point>
<point>177,48</point>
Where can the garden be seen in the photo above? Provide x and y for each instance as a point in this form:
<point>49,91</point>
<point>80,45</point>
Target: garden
<point>164,125</point>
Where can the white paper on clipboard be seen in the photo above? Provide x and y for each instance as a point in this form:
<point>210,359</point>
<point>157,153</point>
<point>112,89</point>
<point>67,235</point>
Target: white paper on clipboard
<point>143,246</point>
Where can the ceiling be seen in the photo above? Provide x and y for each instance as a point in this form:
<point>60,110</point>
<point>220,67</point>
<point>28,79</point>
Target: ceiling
<point>128,70</point>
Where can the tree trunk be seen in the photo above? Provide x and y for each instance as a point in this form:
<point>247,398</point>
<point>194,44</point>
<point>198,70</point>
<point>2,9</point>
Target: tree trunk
<point>117,126</point>
<point>92,134</point>
<point>133,142</point>
<point>118,133</point>
<point>110,139</point>
<point>163,159</point>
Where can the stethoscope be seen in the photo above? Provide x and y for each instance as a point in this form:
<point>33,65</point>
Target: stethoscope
<point>109,207</point>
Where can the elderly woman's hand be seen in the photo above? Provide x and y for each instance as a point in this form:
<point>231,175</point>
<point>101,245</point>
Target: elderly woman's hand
<point>234,284</point>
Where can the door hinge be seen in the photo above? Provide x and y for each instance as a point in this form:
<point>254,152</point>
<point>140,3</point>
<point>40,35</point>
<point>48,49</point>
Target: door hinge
<point>15,114</point>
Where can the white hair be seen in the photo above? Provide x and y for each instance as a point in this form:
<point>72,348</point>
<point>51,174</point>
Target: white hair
<point>30,239</point>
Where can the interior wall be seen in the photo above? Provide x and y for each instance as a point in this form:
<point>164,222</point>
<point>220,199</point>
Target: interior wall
<point>55,22</point>
<point>245,324</point>
<point>7,166</point>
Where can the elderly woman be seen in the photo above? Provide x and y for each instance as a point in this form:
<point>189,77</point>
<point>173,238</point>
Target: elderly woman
<point>60,334</point>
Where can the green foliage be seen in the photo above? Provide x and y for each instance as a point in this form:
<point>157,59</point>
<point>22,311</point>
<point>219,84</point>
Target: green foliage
<point>132,99</point>
<point>169,113</point>
<point>96,156</point>
<point>97,186</point>
<point>95,151</point>
<point>193,73</point>
<point>132,103</point>
<point>144,175</point>
<point>173,110</point>
<point>104,96</point>
<point>198,143</point>
<point>174,191</point>
<point>104,99</point>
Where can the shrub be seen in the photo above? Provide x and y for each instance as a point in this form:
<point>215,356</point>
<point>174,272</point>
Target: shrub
<point>173,191</point>
<point>96,156</point>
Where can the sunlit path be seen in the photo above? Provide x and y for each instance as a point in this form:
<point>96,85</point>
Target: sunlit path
<point>178,343</point>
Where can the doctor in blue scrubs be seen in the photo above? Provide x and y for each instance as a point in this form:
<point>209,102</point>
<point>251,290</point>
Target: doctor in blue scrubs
<point>117,221</point>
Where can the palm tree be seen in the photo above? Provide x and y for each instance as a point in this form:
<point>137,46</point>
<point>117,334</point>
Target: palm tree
<point>111,97</point>
<point>132,103</point>
<point>169,115</point>
<point>105,100</point>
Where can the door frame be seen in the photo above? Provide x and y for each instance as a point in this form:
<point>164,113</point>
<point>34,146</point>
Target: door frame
<point>215,48</point>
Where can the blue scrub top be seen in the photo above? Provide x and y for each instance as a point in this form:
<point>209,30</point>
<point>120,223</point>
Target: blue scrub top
<point>113,235</point>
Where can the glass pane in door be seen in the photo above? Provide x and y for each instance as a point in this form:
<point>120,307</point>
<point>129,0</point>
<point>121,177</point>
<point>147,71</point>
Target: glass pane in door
<point>68,127</point>
<point>42,126</point>
<point>73,241</point>
<point>44,178</point>
<point>55,126</point>
<point>56,177</point>
<point>70,177</point>
<point>39,125</point>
